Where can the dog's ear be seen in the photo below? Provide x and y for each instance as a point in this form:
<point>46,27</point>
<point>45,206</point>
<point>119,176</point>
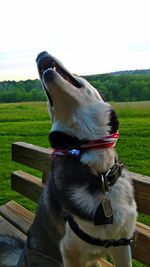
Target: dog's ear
<point>113,121</point>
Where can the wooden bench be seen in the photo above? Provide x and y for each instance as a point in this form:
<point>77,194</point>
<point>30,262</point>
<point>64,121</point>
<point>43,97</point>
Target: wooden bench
<point>16,220</point>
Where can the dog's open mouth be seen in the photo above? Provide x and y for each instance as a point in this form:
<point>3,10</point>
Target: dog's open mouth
<point>48,64</point>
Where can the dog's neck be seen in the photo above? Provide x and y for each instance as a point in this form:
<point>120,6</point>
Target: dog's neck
<point>99,159</point>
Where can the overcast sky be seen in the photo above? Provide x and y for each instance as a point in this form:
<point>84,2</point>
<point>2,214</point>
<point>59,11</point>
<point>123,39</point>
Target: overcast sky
<point>88,36</point>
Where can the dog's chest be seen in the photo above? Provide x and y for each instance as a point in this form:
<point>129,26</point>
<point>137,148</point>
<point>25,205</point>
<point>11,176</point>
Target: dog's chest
<point>84,199</point>
<point>71,242</point>
<point>123,212</point>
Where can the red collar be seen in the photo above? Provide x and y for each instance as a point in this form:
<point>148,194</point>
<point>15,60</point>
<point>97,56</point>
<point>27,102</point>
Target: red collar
<point>104,142</point>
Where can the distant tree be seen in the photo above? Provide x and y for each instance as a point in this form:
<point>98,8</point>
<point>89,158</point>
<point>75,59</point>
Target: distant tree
<point>145,94</point>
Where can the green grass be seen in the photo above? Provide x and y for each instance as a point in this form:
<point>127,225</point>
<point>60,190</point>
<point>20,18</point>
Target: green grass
<point>29,122</point>
<point>133,145</point>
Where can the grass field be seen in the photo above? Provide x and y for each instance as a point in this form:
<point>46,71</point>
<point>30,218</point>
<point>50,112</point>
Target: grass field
<point>29,122</point>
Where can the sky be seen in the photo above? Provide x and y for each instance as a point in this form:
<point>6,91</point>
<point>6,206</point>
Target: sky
<point>88,36</point>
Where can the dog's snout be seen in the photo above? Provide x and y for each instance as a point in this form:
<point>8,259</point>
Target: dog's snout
<point>44,61</point>
<point>41,55</point>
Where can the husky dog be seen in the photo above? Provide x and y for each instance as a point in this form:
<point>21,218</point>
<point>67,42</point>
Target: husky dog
<point>87,209</point>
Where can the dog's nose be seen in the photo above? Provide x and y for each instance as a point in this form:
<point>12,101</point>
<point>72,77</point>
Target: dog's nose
<point>42,54</point>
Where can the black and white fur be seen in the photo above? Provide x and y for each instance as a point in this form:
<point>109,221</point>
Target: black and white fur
<point>78,111</point>
<point>10,251</point>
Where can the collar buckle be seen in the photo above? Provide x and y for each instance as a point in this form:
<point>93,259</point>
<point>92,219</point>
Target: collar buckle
<point>104,181</point>
<point>109,178</point>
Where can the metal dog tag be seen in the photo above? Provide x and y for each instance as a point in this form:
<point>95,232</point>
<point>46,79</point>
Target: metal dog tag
<point>107,208</point>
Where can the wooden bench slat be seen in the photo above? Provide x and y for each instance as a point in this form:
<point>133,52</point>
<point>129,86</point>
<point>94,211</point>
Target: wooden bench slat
<point>142,192</point>
<point>17,215</point>
<point>105,263</point>
<point>140,177</point>
<point>8,229</point>
<point>142,244</point>
<point>26,184</point>
<point>32,156</point>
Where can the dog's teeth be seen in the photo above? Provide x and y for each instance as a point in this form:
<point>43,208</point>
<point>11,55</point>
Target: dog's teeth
<point>54,68</point>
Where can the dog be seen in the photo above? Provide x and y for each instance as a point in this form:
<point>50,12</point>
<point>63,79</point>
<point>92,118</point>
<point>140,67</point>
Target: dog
<point>87,209</point>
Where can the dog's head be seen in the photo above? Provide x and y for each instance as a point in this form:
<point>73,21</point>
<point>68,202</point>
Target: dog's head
<point>76,107</point>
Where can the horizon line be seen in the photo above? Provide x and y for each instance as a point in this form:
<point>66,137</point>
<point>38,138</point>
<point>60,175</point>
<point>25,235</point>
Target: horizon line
<point>82,75</point>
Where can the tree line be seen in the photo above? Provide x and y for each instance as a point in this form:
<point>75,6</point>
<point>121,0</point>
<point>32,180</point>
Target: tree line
<point>122,87</point>
<point>22,91</point>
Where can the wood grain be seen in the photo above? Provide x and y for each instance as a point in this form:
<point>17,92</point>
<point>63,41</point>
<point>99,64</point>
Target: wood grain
<point>17,215</point>
<point>32,156</point>
<point>141,247</point>
<point>7,228</point>
<point>142,192</point>
<point>105,263</point>
<point>26,184</point>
